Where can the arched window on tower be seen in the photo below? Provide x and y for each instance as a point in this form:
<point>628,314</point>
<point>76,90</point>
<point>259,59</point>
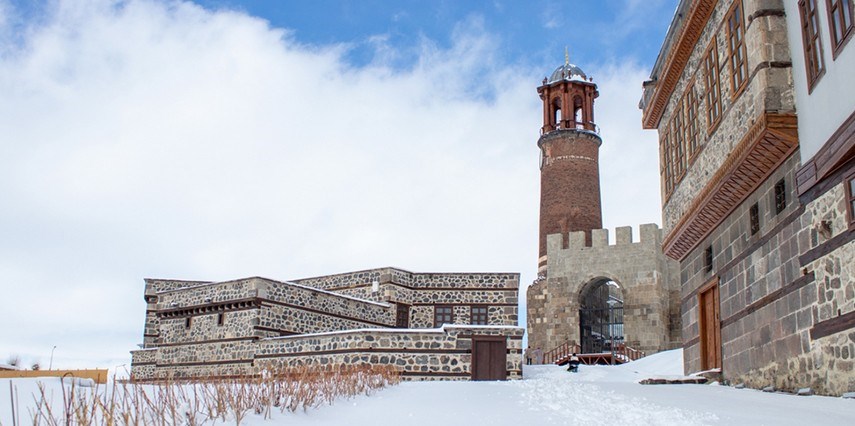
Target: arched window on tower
<point>556,116</point>
<point>577,113</point>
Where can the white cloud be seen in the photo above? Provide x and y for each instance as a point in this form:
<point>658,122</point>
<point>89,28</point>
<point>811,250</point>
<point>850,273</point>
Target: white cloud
<point>144,139</point>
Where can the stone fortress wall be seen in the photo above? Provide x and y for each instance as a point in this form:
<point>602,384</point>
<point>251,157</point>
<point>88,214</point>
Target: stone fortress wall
<point>202,329</point>
<point>648,282</point>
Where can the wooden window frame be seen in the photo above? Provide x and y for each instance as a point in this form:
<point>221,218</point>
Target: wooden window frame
<point>665,159</point>
<point>780,196</point>
<point>735,48</point>
<point>712,92</point>
<point>849,196</point>
<point>754,218</point>
<point>692,126</point>
<point>708,259</point>
<point>437,316</point>
<point>840,8</point>
<point>677,138</point>
<point>811,43</point>
<point>472,315</point>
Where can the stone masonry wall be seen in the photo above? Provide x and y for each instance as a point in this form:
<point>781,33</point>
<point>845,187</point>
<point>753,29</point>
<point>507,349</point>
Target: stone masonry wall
<point>419,355</point>
<point>200,329</point>
<point>771,300</point>
<point>769,89</point>
<point>647,279</point>
<point>329,303</point>
<point>286,320</point>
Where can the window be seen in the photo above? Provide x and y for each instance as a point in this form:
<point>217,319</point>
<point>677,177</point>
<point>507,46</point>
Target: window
<point>691,104</point>
<point>577,114</point>
<point>780,196</point>
<point>188,322</point>
<point>754,215</point>
<point>708,259</point>
<point>677,143</point>
<point>665,163</point>
<point>221,318</point>
<point>850,196</point>
<point>713,90</point>
<point>840,22</point>
<point>811,42</point>
<point>478,315</point>
<point>736,49</point>
<point>442,315</point>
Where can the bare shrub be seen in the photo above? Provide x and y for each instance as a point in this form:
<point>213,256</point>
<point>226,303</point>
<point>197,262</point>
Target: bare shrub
<point>197,402</point>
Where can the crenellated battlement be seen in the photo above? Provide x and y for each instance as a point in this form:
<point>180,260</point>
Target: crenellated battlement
<point>650,234</point>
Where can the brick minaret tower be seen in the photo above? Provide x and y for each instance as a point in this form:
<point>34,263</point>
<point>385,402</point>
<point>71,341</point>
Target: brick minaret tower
<point>569,151</point>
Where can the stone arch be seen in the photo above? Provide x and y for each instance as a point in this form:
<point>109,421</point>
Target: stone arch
<point>601,319</point>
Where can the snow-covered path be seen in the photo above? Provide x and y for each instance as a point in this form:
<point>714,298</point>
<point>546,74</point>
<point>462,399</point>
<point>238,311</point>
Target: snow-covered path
<point>551,396</point>
<point>596,395</point>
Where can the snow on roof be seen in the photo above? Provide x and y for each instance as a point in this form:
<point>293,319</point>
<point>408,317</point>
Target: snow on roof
<point>8,367</point>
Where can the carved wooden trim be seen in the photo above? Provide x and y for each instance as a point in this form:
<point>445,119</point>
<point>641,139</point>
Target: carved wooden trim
<point>770,141</point>
<point>678,57</point>
<point>835,152</point>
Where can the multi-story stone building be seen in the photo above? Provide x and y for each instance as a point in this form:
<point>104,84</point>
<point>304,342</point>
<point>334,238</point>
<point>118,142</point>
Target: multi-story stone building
<point>428,326</point>
<point>590,296</point>
<point>756,144</point>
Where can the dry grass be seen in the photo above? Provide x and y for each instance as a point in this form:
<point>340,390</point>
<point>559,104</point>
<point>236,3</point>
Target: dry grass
<point>201,402</point>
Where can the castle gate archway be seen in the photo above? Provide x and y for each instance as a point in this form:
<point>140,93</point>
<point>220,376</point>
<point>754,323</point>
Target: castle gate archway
<point>601,316</point>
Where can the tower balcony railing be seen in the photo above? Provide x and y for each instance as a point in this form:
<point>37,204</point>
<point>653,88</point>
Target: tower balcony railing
<point>567,125</point>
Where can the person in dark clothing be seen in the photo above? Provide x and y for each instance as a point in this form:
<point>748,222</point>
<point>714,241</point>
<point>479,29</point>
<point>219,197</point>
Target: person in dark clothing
<point>573,364</point>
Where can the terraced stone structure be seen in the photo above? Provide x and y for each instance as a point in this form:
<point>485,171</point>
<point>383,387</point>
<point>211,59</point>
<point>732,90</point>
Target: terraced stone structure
<point>427,325</point>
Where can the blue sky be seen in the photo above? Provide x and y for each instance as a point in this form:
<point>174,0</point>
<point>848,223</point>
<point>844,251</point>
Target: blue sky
<point>529,32</point>
<point>220,140</point>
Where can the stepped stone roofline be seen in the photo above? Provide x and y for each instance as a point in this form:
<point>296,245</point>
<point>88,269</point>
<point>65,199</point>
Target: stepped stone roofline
<point>256,283</point>
<point>650,233</point>
<point>395,275</point>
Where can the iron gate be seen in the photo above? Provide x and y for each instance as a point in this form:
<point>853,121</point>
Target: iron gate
<point>601,320</point>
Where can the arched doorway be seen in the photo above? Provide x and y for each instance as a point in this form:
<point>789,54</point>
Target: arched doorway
<point>601,316</point>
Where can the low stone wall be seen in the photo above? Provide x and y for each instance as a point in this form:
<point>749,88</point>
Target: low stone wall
<point>332,304</point>
<point>444,353</point>
<point>288,320</point>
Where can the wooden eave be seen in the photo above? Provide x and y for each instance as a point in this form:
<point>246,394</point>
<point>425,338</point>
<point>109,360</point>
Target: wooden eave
<point>769,142</point>
<point>697,18</point>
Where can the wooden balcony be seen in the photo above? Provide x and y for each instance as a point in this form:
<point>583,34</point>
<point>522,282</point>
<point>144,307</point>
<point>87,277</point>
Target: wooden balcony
<point>763,148</point>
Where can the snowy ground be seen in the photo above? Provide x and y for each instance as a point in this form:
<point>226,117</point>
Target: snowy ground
<point>551,396</point>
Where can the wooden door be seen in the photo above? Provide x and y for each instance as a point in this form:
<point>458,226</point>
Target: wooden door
<point>710,326</point>
<point>489,358</point>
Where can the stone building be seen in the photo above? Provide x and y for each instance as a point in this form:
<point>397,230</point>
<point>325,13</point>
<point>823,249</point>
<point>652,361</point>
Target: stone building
<point>429,326</point>
<point>590,295</point>
<point>753,103</point>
